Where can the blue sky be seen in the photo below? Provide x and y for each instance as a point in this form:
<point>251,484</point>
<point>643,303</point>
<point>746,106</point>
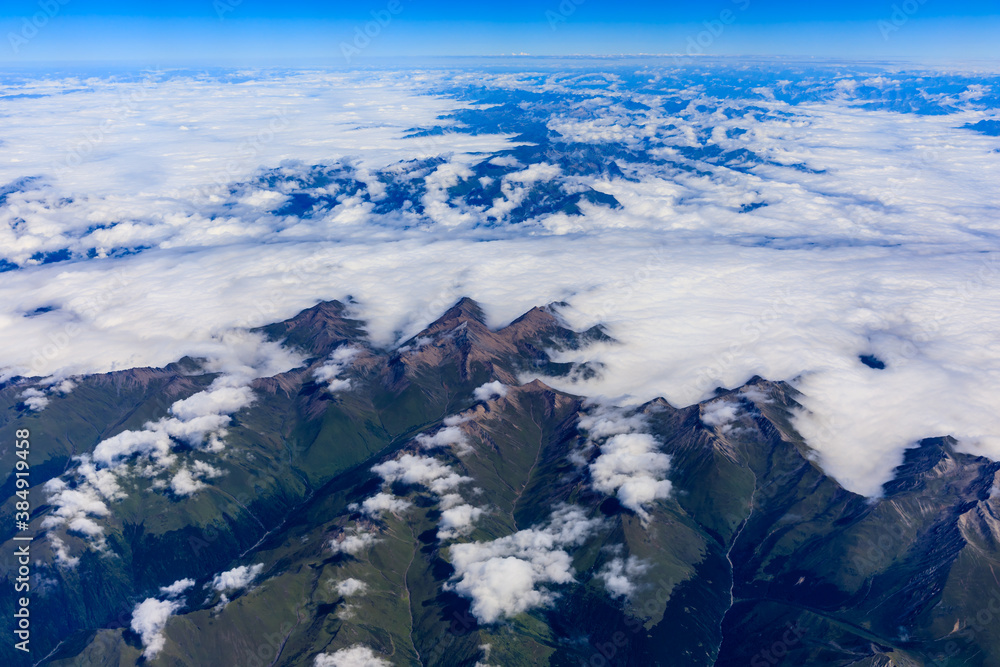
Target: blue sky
<point>230,31</point>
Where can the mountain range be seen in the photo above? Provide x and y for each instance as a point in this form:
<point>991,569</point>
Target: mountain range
<point>439,503</point>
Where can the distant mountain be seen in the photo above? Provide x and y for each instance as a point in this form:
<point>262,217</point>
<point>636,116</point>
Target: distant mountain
<point>440,504</point>
<point>989,127</point>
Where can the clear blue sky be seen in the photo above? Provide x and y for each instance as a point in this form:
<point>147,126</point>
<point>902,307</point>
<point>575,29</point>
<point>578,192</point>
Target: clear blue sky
<point>255,31</point>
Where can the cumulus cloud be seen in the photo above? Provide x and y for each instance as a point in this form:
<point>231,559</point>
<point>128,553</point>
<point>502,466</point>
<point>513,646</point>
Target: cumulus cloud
<point>199,421</point>
<point>720,414</point>
<point>188,481</point>
<point>457,521</point>
<point>422,470</point>
<point>619,575</point>
<point>631,467</point>
<point>38,398</point>
<point>80,505</point>
<point>80,496</point>
<point>329,372</point>
<point>176,588</point>
<point>352,541</point>
<point>629,464</point>
<point>503,578</point>
<point>60,553</point>
<point>350,586</point>
<point>355,656</point>
<point>489,391</point>
<point>34,399</point>
<point>237,578</point>
<point>382,502</point>
<point>450,436</point>
<point>149,618</point>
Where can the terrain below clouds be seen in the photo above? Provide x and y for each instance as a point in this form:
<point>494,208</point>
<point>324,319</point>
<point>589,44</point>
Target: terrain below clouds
<point>431,507</point>
<point>166,236</point>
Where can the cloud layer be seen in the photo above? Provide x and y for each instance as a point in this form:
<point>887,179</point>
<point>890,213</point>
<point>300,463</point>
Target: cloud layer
<point>780,229</point>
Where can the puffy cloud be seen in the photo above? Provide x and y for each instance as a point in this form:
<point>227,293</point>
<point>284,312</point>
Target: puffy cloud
<point>619,575</point>
<point>423,470</point>
<point>37,399</point>
<point>188,481</point>
<point>237,578</point>
<point>197,419</point>
<point>604,422</point>
<point>349,587</point>
<point>489,391</point>
<point>720,414</point>
<point>450,436</point>
<point>382,502</point>
<point>629,464</point>
<point>502,577</point>
<point>457,521</point>
<point>328,373</point>
<point>352,542</point>
<point>34,399</point>
<point>355,656</point>
<point>184,483</point>
<point>79,506</point>
<point>60,553</point>
<point>176,588</point>
<point>223,399</point>
<point>149,618</point>
<point>630,467</point>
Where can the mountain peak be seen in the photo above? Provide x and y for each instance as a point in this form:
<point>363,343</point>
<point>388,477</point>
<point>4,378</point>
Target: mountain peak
<point>317,330</point>
<point>465,310</point>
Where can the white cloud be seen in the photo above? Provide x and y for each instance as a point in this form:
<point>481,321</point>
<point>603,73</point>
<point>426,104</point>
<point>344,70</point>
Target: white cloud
<point>184,484</point>
<point>631,467</point>
<point>423,470</point>
<point>237,578</point>
<point>350,586</point>
<point>79,507</point>
<point>457,521</point>
<point>355,656</point>
<point>188,481</point>
<point>502,577</point>
<point>450,436</point>
<point>619,575</point>
<point>149,618</point>
<point>382,502</point>
<point>888,249</point>
<point>353,541</point>
<point>489,391</point>
<point>176,588</point>
<point>720,414</point>
<point>328,373</point>
<point>60,553</point>
<point>35,399</point>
